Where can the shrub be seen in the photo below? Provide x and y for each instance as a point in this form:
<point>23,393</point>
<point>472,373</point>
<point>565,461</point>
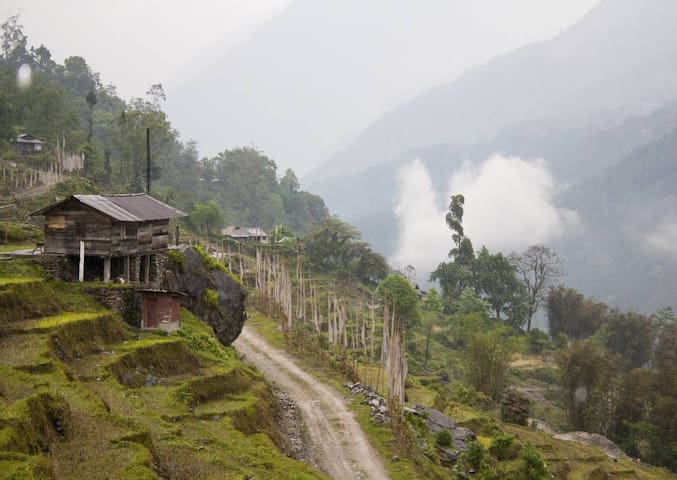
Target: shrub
<point>177,259</point>
<point>488,358</point>
<point>475,455</point>
<point>211,298</point>
<point>467,395</point>
<point>12,233</point>
<point>532,466</point>
<point>537,340</point>
<point>546,374</point>
<point>561,341</point>
<point>443,438</point>
<point>213,264</point>
<point>515,407</point>
<point>504,447</point>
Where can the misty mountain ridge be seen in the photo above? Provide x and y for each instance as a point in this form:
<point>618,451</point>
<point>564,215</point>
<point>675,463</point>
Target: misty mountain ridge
<point>619,59</point>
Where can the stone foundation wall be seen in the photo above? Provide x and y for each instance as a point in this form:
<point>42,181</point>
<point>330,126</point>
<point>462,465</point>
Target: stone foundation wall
<point>123,300</point>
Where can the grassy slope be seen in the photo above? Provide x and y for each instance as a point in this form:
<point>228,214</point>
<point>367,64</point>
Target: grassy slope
<point>84,396</point>
<point>565,460</point>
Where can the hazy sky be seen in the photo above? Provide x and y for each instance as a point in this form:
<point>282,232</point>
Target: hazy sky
<point>135,43</point>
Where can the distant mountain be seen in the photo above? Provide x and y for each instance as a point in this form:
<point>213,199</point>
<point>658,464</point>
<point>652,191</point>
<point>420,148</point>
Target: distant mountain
<point>573,152</point>
<point>619,59</point>
<point>314,75</point>
<point>628,253</point>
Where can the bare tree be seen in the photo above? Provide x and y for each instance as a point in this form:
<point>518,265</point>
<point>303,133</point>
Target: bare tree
<point>538,267</point>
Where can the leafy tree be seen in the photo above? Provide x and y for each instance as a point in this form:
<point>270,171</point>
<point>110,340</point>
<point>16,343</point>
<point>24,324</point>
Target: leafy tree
<point>588,377</point>
<point>453,279</point>
<point>630,335</point>
<point>14,41</point>
<point>207,215</point>
<point>498,285</point>
<point>570,313</point>
<point>470,302</point>
<point>156,95</point>
<point>371,266</point>
<point>79,76</point>
<point>402,299</point>
<point>289,183</point>
<point>457,275</point>
<point>538,266</point>
<point>336,246</point>
<point>8,100</point>
<point>330,245</point>
<point>454,219</point>
<point>130,143</point>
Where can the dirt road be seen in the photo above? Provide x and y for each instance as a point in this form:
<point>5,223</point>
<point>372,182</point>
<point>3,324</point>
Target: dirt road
<point>338,447</point>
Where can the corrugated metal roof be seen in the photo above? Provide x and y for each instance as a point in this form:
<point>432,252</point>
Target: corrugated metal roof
<point>136,207</point>
<point>243,232</point>
<point>133,207</point>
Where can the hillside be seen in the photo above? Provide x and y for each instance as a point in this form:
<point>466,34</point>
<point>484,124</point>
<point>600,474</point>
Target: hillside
<point>617,60</point>
<point>83,395</point>
<point>629,211</point>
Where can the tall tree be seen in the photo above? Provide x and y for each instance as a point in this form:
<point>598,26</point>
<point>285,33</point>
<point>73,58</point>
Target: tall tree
<point>538,267</point>
<point>458,274</point>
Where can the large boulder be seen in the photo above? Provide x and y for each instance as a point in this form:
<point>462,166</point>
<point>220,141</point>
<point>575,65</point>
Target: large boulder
<point>594,440</point>
<point>438,421</point>
<point>211,292</point>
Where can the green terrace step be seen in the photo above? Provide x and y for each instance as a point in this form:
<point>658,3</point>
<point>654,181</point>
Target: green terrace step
<point>7,281</point>
<point>52,322</point>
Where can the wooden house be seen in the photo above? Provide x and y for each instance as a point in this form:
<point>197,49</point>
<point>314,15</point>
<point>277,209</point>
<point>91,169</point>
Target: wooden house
<point>27,144</point>
<point>245,234</point>
<point>110,236</point>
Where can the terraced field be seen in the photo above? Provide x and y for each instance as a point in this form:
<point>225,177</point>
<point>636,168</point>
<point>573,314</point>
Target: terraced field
<point>82,395</point>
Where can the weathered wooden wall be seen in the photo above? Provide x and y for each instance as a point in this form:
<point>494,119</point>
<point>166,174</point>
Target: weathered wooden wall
<point>72,222</point>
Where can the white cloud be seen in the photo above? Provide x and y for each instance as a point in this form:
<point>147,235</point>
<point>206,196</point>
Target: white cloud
<point>424,238</point>
<point>509,203</point>
<point>664,238</point>
<point>508,206</point>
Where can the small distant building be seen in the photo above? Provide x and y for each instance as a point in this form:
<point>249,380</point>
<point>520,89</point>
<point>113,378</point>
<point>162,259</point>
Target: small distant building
<point>160,310</point>
<point>27,144</point>
<point>245,234</point>
<point>122,235</point>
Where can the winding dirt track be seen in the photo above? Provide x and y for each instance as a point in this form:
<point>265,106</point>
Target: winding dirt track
<point>338,445</point>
